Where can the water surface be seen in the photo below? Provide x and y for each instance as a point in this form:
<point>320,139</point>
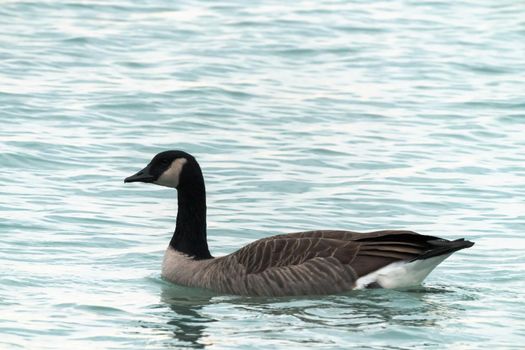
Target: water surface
<point>303,115</point>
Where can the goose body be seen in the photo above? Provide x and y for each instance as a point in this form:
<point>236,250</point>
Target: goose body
<point>303,263</point>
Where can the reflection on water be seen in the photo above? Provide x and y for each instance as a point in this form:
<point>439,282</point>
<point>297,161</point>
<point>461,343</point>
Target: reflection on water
<point>186,320</point>
<point>194,314</point>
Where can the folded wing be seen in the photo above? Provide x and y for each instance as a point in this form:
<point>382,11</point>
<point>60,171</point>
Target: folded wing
<point>322,262</point>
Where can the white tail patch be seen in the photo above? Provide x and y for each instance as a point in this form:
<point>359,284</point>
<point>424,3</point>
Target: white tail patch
<point>401,274</point>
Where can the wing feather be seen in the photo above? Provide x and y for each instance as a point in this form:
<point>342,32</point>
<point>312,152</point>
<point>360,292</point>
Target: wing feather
<point>318,262</point>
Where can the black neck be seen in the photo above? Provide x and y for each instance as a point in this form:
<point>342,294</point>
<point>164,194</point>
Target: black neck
<point>190,232</point>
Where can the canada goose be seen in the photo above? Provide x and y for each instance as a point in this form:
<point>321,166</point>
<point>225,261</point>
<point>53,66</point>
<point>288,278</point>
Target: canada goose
<point>303,263</point>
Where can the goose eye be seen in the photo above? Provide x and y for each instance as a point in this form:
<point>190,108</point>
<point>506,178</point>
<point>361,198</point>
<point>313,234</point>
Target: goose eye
<point>164,161</point>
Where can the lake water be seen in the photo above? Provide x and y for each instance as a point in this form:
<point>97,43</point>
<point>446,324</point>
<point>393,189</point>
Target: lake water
<point>353,115</point>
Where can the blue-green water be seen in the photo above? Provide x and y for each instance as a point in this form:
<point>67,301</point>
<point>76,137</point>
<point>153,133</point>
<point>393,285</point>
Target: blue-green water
<point>304,114</point>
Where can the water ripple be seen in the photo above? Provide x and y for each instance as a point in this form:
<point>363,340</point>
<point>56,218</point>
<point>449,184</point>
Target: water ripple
<point>303,115</point>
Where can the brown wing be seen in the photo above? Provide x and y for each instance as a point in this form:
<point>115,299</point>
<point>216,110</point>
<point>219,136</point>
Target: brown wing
<point>352,236</point>
<point>287,251</point>
<point>315,276</point>
<point>347,247</point>
<point>321,262</point>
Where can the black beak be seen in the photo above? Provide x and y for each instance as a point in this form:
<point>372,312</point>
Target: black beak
<point>142,176</point>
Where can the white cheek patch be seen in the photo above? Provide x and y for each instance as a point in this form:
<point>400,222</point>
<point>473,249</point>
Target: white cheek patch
<point>170,177</point>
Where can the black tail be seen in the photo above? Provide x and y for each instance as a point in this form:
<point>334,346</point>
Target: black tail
<point>409,246</point>
<point>443,246</point>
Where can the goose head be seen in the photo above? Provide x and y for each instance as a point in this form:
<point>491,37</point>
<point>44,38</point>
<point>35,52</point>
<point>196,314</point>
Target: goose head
<point>170,168</point>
